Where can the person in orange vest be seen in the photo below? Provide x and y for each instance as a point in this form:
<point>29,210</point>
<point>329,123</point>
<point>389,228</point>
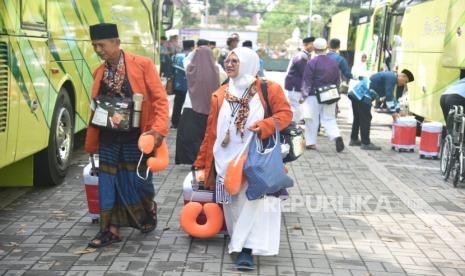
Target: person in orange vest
<point>123,79</point>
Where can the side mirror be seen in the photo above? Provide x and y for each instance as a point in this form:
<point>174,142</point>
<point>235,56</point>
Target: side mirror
<point>167,11</point>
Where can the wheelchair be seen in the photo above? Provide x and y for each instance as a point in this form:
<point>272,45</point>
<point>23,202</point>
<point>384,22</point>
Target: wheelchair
<point>453,147</point>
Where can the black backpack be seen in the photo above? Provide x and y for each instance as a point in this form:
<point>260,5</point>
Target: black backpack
<point>292,135</point>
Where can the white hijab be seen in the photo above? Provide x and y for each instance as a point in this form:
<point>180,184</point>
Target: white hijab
<point>248,70</point>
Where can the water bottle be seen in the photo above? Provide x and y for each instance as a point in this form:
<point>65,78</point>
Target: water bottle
<point>137,98</point>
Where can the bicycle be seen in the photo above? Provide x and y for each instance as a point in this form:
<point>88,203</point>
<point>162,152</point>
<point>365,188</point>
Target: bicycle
<point>453,147</point>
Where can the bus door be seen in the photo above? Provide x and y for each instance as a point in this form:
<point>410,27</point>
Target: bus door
<point>363,40</point>
<point>379,50</point>
<point>340,29</point>
<point>30,58</point>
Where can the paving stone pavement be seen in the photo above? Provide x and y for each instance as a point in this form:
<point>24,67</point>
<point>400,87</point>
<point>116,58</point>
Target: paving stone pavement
<point>354,213</point>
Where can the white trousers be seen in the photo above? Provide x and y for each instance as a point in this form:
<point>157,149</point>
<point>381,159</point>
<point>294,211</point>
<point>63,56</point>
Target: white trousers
<point>294,97</point>
<point>254,224</point>
<point>321,113</point>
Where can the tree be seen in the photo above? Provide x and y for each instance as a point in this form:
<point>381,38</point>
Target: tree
<point>278,24</point>
<point>234,14</point>
<point>185,16</point>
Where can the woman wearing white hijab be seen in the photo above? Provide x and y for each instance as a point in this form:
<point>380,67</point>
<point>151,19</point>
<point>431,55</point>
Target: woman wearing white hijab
<point>238,110</point>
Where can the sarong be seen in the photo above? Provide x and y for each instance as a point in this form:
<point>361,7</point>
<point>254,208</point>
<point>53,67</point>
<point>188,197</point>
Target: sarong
<point>125,199</point>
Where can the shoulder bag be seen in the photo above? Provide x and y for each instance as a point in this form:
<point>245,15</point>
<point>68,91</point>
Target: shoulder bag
<point>113,113</point>
<point>327,94</point>
<point>264,167</point>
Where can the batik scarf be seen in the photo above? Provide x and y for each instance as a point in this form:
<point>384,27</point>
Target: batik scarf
<point>114,79</point>
<point>244,108</point>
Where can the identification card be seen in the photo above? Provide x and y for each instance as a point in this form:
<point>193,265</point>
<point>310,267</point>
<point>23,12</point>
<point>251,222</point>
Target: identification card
<point>100,117</point>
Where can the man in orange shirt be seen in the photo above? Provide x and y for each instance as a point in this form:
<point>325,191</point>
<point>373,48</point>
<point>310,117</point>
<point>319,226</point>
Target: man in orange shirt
<point>125,199</point>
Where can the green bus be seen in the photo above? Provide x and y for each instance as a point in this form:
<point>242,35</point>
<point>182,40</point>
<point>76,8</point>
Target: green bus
<point>46,66</point>
<point>431,37</point>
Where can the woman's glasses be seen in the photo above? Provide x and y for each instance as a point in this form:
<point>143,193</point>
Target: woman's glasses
<point>233,62</point>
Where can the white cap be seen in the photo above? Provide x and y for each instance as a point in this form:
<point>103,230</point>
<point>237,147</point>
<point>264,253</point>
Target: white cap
<point>320,43</point>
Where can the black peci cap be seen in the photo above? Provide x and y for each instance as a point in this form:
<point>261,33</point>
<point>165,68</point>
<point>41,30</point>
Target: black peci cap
<point>308,39</point>
<point>202,42</point>
<point>247,43</point>
<point>103,31</point>
<point>187,44</point>
<point>408,74</point>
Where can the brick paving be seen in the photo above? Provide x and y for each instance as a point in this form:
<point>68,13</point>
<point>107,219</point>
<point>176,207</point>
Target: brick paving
<point>355,213</point>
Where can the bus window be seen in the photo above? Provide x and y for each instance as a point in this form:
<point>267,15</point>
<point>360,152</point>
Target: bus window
<point>34,15</point>
<point>167,11</point>
<point>155,17</point>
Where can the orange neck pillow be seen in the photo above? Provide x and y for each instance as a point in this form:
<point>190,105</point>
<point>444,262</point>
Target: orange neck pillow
<point>188,219</point>
<point>160,160</point>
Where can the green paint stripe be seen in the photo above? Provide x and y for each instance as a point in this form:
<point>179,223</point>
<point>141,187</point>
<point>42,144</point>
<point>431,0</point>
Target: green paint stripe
<point>10,13</point>
<point>453,30</point>
<point>42,68</point>
<point>81,56</point>
<point>72,45</point>
<point>80,77</point>
<point>148,14</point>
<point>85,61</point>
<point>80,117</point>
<point>2,22</point>
<point>76,10</point>
<point>98,11</point>
<point>18,75</point>
<point>31,77</point>
<point>365,37</point>
<point>54,52</point>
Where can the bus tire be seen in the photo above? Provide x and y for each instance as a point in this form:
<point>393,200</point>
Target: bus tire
<point>51,164</point>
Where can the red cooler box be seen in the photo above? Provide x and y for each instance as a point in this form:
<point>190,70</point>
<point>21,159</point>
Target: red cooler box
<point>191,192</point>
<point>430,139</point>
<point>90,174</point>
<point>404,134</point>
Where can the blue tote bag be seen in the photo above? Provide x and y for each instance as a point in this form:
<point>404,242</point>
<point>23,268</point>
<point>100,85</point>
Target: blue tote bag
<point>264,168</point>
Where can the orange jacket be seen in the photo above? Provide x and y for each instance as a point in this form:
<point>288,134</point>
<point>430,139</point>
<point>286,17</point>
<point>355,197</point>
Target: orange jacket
<point>144,79</point>
<point>279,107</point>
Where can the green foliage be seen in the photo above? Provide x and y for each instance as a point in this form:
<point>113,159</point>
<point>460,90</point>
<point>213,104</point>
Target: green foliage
<point>232,14</point>
<point>184,17</point>
<point>279,23</point>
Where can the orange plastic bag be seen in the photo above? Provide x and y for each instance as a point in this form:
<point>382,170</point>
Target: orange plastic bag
<point>234,174</point>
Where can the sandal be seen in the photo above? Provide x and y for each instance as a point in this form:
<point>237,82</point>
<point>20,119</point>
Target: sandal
<point>150,222</point>
<point>105,238</point>
<point>244,261</point>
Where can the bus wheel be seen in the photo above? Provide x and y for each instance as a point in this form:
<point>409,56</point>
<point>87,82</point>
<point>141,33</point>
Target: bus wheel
<point>51,164</point>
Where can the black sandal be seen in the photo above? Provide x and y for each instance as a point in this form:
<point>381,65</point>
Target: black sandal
<point>105,238</point>
<point>150,222</point>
